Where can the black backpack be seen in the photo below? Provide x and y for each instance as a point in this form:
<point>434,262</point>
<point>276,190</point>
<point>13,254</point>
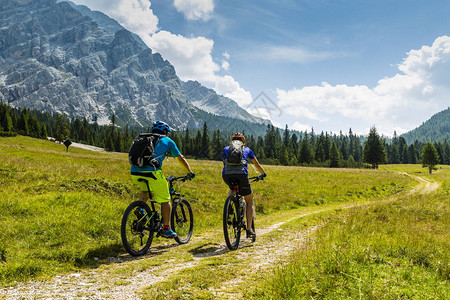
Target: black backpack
<point>142,150</point>
<point>235,153</point>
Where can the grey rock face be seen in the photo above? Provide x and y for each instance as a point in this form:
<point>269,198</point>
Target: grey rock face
<point>60,57</point>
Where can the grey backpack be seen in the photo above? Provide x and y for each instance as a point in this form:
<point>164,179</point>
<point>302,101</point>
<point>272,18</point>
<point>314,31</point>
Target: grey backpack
<point>235,153</point>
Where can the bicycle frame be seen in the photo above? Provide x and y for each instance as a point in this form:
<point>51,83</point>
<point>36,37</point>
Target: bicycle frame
<point>174,195</point>
<point>137,233</point>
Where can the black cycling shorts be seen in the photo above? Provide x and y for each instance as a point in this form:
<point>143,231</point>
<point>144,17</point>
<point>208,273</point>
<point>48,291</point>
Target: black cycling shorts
<point>243,183</point>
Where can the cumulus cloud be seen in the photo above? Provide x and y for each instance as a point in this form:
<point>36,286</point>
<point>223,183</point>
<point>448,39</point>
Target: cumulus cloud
<point>134,15</point>
<point>400,103</point>
<point>195,9</point>
<point>301,127</point>
<point>227,86</point>
<point>225,65</point>
<point>191,57</point>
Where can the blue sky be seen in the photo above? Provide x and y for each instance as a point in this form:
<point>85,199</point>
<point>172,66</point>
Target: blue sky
<point>327,65</point>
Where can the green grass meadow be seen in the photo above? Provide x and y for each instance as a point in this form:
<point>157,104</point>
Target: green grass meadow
<point>396,250</point>
<point>61,212</point>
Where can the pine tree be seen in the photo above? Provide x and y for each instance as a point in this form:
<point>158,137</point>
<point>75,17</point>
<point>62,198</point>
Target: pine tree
<point>319,152</point>
<point>294,144</point>
<point>127,139</point>
<point>118,146</point>
<point>43,132</point>
<point>205,151</point>
<point>23,122</point>
<point>259,151</point>
<point>109,144</point>
<point>198,145</point>
<point>374,152</point>
<point>305,156</point>
<point>334,155</point>
<point>430,157</point>
<point>217,146</point>
<point>6,123</point>
<point>269,142</point>
<point>286,136</point>
<point>447,153</point>
<point>283,155</point>
<point>187,143</point>
<point>343,149</point>
<point>62,131</point>
<point>412,157</point>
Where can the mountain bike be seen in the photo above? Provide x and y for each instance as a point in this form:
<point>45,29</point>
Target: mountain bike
<point>234,215</point>
<point>141,221</point>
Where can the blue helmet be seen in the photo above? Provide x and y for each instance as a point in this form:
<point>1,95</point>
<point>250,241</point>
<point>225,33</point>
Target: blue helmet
<point>161,126</point>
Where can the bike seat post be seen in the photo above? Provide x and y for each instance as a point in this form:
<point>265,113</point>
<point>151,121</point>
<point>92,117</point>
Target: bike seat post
<point>235,185</point>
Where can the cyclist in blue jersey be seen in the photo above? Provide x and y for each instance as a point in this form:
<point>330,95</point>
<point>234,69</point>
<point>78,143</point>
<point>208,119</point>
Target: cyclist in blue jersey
<point>240,172</point>
<point>156,180</point>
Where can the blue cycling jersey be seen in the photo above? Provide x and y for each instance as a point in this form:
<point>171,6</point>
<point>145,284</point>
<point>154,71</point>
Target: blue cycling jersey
<point>164,146</point>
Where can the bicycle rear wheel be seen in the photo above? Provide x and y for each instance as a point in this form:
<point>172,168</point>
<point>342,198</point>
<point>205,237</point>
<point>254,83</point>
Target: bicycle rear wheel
<point>137,228</point>
<point>231,223</point>
<point>182,221</point>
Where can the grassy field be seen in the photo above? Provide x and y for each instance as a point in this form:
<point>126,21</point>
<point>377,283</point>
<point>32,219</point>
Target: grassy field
<point>395,250</point>
<point>61,210</point>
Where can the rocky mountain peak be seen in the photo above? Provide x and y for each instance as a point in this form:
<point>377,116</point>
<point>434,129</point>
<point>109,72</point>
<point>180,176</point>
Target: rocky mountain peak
<point>65,58</point>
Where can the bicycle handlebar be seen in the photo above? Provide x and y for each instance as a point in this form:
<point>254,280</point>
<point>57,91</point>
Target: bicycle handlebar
<point>173,178</point>
<point>254,179</point>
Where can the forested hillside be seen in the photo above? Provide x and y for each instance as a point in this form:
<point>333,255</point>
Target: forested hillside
<point>436,129</point>
<point>271,145</point>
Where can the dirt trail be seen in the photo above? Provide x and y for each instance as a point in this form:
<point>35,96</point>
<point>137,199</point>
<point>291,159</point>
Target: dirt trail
<point>110,283</point>
<point>96,284</point>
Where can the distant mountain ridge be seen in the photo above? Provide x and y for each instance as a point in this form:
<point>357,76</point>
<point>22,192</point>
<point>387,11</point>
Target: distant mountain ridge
<point>436,129</point>
<point>65,58</point>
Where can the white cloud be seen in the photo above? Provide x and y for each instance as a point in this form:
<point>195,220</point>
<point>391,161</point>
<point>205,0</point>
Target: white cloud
<point>225,65</point>
<point>301,127</point>
<point>195,9</point>
<point>134,15</point>
<point>398,103</point>
<point>227,86</point>
<point>191,56</point>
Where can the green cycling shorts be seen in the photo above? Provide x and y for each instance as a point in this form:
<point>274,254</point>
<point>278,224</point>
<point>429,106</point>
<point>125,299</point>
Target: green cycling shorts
<point>157,183</point>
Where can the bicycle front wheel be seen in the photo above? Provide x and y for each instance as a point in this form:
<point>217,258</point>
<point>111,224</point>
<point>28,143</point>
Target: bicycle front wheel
<point>231,223</point>
<point>182,221</point>
<point>137,228</point>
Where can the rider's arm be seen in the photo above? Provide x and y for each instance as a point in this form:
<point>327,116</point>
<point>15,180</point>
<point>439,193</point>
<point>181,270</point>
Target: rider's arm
<point>180,158</point>
<point>258,166</point>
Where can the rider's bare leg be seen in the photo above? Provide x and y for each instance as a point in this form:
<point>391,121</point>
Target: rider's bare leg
<point>249,210</point>
<point>166,209</point>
